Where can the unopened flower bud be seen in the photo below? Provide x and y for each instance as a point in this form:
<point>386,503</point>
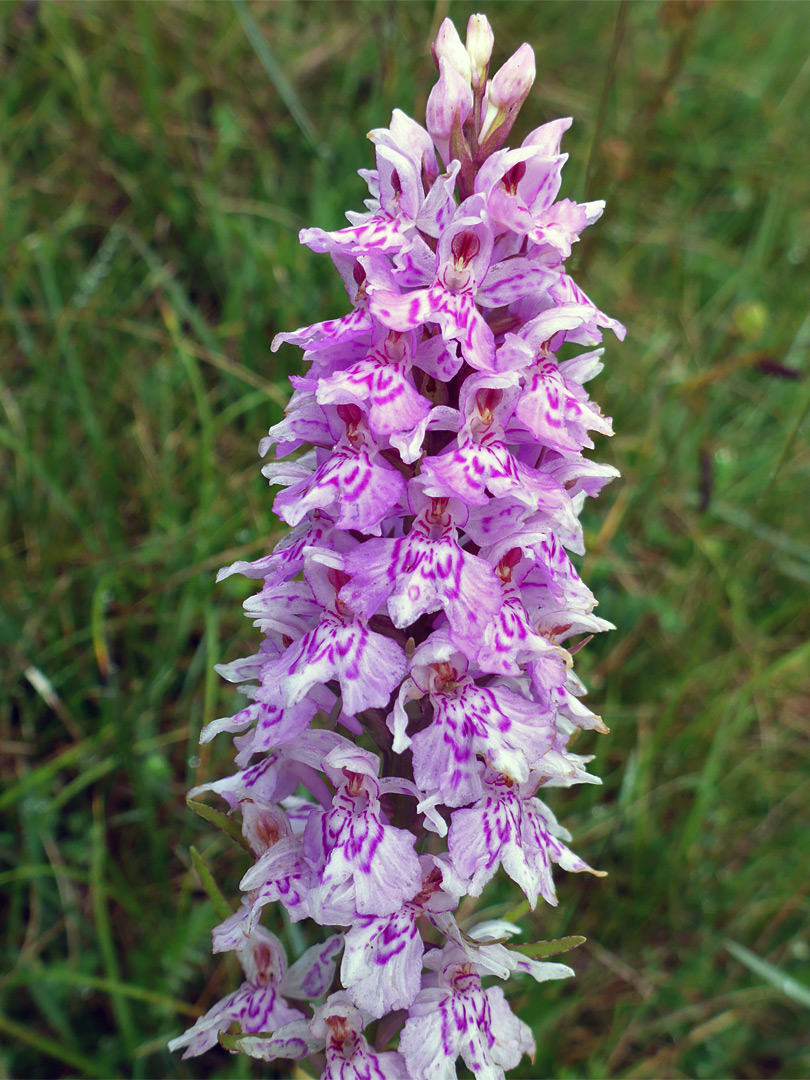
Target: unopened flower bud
<point>450,97</point>
<point>479,48</point>
<point>509,88</point>
<point>511,83</point>
<point>448,45</point>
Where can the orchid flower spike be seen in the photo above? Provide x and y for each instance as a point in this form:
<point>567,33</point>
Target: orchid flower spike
<point>412,704</point>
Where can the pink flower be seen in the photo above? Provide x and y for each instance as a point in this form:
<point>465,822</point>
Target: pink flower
<point>424,600</point>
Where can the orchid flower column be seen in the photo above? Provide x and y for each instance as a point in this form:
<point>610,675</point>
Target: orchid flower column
<point>413,697</point>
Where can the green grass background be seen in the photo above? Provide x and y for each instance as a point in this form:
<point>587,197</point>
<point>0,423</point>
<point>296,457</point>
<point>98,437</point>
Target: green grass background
<point>156,162</point>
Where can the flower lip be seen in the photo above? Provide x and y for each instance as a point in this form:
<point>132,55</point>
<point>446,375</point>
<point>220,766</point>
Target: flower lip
<point>445,678</point>
<point>507,564</point>
<point>436,513</point>
<point>339,1030</point>
<point>465,246</point>
<point>512,178</point>
<point>457,275</point>
<point>431,884</point>
<point>464,978</point>
<point>486,402</point>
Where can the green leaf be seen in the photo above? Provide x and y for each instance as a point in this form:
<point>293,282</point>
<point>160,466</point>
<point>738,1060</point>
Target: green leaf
<point>509,911</point>
<point>230,1042</point>
<point>536,950</point>
<point>218,901</point>
<point>220,820</point>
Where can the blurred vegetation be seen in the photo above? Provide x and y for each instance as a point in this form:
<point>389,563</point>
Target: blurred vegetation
<point>156,162</point>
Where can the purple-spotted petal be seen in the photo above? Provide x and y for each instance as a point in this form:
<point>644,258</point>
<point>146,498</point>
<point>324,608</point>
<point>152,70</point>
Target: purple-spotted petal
<point>383,388</point>
<point>404,311</point>
<point>505,828</point>
<point>254,1008</point>
<point>508,281</point>
<point>459,1018</point>
<point>411,139</point>
<point>293,1040</point>
<point>281,874</point>
<point>439,205</point>
<point>353,485</point>
<point>380,232</point>
<point>469,470</point>
<point>311,976</point>
<point>423,572</point>
<point>382,964</point>
<point>566,291</point>
<point>287,558</point>
<point>346,328</point>
<point>368,666</point>
<point>350,845</point>
<point>510,732</point>
<point>553,413</point>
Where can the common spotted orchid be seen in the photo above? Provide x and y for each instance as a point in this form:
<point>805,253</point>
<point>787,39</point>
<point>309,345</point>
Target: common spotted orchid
<point>412,705</point>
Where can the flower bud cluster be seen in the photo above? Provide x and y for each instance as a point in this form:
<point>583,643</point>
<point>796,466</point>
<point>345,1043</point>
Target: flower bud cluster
<point>413,694</point>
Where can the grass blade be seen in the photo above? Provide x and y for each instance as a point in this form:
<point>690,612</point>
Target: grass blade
<point>51,1048</point>
<point>789,986</point>
<point>220,904</point>
<point>286,91</point>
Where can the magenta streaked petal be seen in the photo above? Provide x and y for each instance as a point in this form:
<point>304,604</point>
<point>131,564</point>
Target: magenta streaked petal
<point>381,233</point>
<point>403,311</point>
<point>458,1017</point>
<point>382,964</point>
<point>367,665</point>
<point>255,1008</point>
<point>440,360</point>
<point>410,138</point>
<point>400,185</point>
<point>424,572</point>
<point>363,864</point>
<point>506,828</point>
<point>508,281</point>
<point>354,486</point>
<point>414,265</point>
<point>346,328</point>
<point>506,730</point>
<point>439,205</point>
<point>566,291</point>
<point>311,975</point>
<point>383,388</point>
<point>548,408</point>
